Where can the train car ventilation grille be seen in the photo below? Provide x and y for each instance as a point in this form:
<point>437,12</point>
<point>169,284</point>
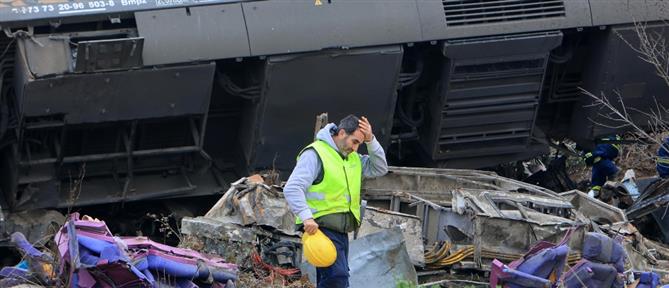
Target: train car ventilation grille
<point>489,107</point>
<point>472,12</point>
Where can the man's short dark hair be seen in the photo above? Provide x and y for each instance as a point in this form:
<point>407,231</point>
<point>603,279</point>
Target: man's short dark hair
<point>349,124</point>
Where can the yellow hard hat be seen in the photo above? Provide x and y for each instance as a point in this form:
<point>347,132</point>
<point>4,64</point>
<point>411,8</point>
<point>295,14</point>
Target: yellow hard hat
<point>319,249</point>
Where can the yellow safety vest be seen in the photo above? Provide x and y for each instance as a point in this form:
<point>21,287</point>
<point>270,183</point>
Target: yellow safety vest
<point>339,191</point>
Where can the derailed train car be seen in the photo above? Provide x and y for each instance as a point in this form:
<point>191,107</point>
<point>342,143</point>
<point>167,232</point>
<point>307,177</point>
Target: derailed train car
<point>107,101</point>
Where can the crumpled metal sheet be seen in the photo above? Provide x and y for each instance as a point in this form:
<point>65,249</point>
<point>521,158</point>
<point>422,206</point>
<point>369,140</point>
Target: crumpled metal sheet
<point>488,203</point>
<point>507,223</point>
<point>434,184</point>
<point>251,216</point>
<point>376,260</point>
<point>593,208</point>
<point>380,260</point>
<point>376,220</point>
<point>654,196</point>
<point>431,191</point>
<point>653,203</point>
<point>252,203</point>
<point>501,218</point>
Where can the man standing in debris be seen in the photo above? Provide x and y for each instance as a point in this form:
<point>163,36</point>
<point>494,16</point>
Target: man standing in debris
<point>601,160</point>
<point>324,188</point>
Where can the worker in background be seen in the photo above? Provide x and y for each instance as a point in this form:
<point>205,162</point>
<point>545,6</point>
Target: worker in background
<point>662,160</point>
<point>324,188</point>
<point>601,160</point>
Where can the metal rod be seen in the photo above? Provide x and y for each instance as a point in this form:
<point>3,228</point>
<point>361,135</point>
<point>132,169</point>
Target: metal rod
<point>136,197</point>
<point>446,281</point>
<point>435,206</point>
<point>107,156</point>
<point>44,125</point>
<point>425,219</point>
<point>129,144</point>
<point>203,129</point>
<point>193,130</point>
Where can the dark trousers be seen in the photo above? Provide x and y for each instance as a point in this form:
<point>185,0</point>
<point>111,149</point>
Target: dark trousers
<point>602,171</point>
<point>335,276</point>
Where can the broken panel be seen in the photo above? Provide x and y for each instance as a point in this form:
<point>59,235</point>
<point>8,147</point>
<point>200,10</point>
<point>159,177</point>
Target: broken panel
<point>428,194</point>
<point>102,55</point>
<point>651,209</point>
<point>594,209</point>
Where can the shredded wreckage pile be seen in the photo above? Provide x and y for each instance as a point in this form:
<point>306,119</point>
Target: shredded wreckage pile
<point>444,227</point>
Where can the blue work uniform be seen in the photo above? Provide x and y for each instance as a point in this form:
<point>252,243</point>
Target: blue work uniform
<point>601,160</point>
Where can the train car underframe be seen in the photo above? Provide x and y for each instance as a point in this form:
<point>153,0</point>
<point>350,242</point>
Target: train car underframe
<point>84,121</point>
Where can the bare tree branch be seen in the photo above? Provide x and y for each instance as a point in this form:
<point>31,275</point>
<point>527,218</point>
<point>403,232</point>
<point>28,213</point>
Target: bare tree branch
<point>620,118</point>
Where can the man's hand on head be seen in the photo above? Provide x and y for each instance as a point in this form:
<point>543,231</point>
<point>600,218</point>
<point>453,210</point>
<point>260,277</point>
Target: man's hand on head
<point>310,226</point>
<point>366,129</point>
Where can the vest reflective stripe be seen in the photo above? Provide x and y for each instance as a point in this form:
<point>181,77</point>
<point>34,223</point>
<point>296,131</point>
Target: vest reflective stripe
<point>315,195</point>
<point>339,191</point>
<point>589,157</point>
<point>612,139</point>
<point>662,160</point>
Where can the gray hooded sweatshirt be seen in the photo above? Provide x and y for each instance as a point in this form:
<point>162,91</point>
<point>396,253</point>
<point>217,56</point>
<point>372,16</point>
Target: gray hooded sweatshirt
<point>309,166</point>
